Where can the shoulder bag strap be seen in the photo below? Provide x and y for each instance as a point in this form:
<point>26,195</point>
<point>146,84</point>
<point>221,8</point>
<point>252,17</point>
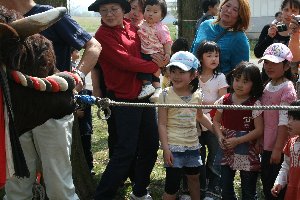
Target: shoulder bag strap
<point>221,35</point>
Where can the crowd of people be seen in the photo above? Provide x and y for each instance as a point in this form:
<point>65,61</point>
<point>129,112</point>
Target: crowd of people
<point>202,148</point>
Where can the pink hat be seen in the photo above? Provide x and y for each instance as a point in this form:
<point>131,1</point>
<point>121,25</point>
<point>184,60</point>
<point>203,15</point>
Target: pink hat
<point>276,53</point>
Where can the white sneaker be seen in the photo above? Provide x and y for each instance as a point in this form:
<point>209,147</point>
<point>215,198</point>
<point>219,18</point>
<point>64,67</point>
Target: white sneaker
<point>185,197</point>
<point>154,97</point>
<point>145,197</point>
<point>147,90</point>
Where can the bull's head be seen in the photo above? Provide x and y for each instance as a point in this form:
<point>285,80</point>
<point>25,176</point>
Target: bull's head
<point>20,48</point>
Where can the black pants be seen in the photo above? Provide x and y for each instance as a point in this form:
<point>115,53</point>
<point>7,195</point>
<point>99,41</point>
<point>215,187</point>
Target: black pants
<point>137,138</point>
<point>146,76</point>
<point>269,174</point>
<point>248,184</point>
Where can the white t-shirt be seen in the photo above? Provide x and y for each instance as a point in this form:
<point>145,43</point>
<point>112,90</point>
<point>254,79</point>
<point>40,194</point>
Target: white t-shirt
<point>210,89</point>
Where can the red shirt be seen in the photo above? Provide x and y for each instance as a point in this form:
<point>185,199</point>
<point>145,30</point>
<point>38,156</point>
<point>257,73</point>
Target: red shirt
<point>120,59</point>
<point>238,120</point>
<point>293,187</point>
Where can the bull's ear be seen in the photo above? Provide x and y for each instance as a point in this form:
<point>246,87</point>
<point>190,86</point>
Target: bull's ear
<point>7,31</point>
<point>36,23</point>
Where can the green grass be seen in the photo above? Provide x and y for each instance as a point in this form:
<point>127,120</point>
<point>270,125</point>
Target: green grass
<point>156,186</point>
<point>90,24</point>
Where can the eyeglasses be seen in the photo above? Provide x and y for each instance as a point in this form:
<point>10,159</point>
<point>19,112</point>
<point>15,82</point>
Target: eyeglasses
<point>112,11</point>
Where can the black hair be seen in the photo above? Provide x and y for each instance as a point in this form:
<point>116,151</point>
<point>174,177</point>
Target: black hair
<point>205,47</point>
<point>194,83</point>
<point>295,114</point>
<point>180,44</point>
<point>209,3</point>
<point>161,3</point>
<point>278,13</point>
<point>252,73</point>
<point>293,3</point>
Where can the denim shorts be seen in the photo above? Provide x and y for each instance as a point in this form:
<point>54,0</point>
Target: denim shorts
<point>189,158</point>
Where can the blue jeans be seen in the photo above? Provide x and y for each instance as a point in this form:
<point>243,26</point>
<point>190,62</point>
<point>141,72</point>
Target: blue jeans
<point>209,171</point>
<point>137,140</point>
<point>248,184</point>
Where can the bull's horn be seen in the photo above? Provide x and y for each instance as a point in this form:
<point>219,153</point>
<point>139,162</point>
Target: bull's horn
<point>7,31</point>
<point>36,23</point>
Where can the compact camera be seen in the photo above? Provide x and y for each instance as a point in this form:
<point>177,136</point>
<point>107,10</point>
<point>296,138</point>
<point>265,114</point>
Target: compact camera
<point>281,27</point>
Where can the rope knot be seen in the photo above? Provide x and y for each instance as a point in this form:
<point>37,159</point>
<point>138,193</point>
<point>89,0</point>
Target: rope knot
<point>103,105</point>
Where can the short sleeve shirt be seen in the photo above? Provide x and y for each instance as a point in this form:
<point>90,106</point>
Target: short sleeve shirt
<point>153,37</point>
<point>64,34</point>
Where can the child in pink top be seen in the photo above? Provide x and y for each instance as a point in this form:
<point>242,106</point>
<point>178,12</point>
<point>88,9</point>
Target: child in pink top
<point>278,91</point>
<point>290,169</point>
<point>155,38</point>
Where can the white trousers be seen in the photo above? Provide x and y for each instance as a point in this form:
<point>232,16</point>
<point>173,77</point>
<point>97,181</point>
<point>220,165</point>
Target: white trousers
<point>46,147</point>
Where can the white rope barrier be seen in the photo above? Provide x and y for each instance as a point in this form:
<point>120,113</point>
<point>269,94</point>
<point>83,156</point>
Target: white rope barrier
<point>107,102</point>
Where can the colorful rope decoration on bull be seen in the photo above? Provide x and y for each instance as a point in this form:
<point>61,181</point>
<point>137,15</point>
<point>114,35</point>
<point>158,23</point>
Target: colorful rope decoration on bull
<point>58,82</point>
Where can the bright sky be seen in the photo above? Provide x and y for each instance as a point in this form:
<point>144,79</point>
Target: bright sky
<point>86,3</point>
<point>82,3</point>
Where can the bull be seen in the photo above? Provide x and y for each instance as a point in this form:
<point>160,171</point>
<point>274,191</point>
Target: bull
<point>31,88</point>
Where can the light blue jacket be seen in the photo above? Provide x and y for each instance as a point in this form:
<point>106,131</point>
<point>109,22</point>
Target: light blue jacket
<point>234,45</point>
